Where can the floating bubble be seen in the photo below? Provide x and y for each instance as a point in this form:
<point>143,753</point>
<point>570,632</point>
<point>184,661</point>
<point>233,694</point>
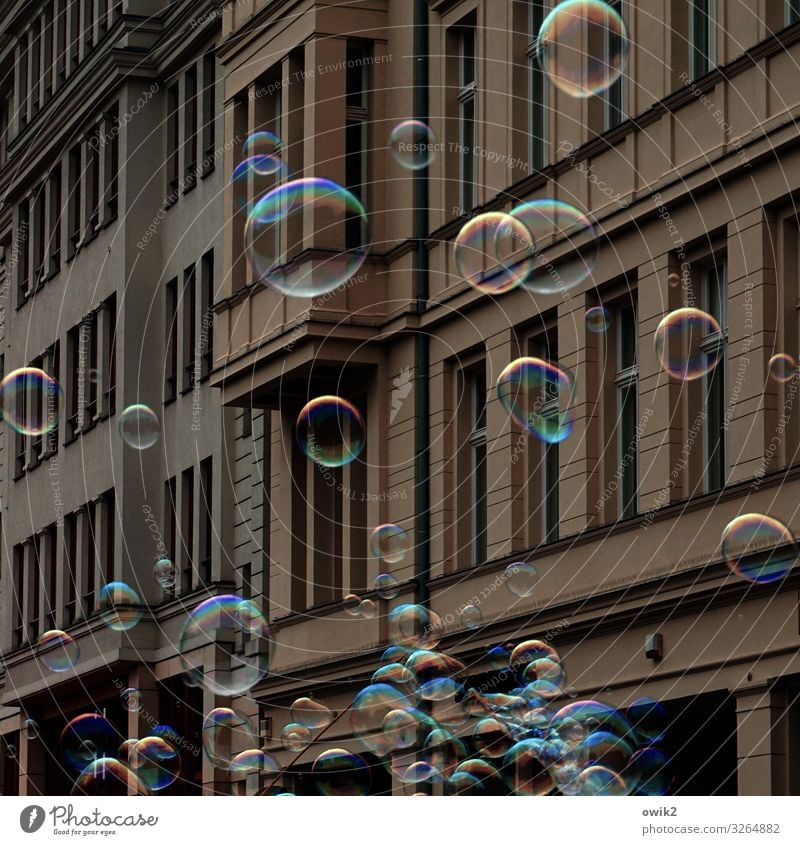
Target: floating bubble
<point>650,772</point>
<point>295,737</point>
<point>484,773</point>
<point>250,618</point>
<point>387,586</point>
<point>401,728</point>
<point>254,760</point>
<point>107,776</point>
<point>492,737</point>
<point>396,674</point>
<point>525,768</point>
<point>521,578</point>
<point>311,713</point>
<point>530,650</point>
<point>429,665</point>
<point>673,280</point>
<point>782,367</point>
<point>263,149</point>
<point>413,144</point>
<point>602,748</point>
<point>131,699</point>
<point>598,780</point>
<point>277,230</point>
<point>225,730</point>
<point>494,252</point>
<point>539,396</point>
<point>648,718</point>
<point>545,677</point>
<point>439,689</point>
<point>395,654</point>
<point>682,344</point>
<point>390,543</point>
<point>120,606</point>
<point>254,176</point>
<point>155,762</point>
<point>139,427</point>
<point>575,721</point>
<point>87,738</point>
<point>368,711</point>
<point>31,401</point>
<point>367,609</point>
<point>31,728</point>
<point>583,47</point>
<point>598,319</point>
<point>418,771</point>
<point>443,752</point>
<point>351,604</point>
<point>330,431</point>
<point>499,657</point>
<point>414,625</point>
<point>214,622</point>
<point>465,784</point>
<point>339,772</point>
<point>571,232</point>
<point>57,650</point>
<point>164,573</point>
<point>758,548</point>
<point>471,616</point>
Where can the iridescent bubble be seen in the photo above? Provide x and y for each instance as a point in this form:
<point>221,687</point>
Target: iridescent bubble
<point>465,784</point>
<point>648,718</point>
<point>155,762</point>
<point>598,319</point>
<point>545,678</point>
<point>598,780</point>
<point>367,609</point>
<point>106,776</point>
<point>682,343</point>
<point>278,227</point>
<point>414,625</point>
<point>139,427</point>
<point>396,674</point>
<point>782,367</point>
<point>583,47</point>
<point>602,748</point>
<point>418,771</point>
<point>539,396</point>
<point>484,773</point>
<point>164,573</point>
<point>295,737</point>
<point>471,616</point>
<point>390,543</point>
<point>428,665</point>
<point>131,699</point>
<point>554,222</point>
<point>439,689</point>
<point>521,578</point>
<point>387,586</point>
<point>525,769</point>
<point>311,713</point>
<point>57,650</point>
<point>31,401</point>
<point>758,548</point>
<point>351,604</point>
<point>250,618</point>
<point>492,737</point>
<point>263,148</point>
<point>413,144</point>
<point>443,752</point>
<point>330,431</point>
<point>340,772</point>
<point>649,772</point>
<point>529,650</point>
<point>214,622</point>
<point>401,728</point>
<point>494,252</point>
<point>225,730</point>
<point>575,721</point>
<point>87,738</point>
<point>120,606</point>
<point>368,711</point>
<point>499,658</point>
<point>396,654</point>
<point>254,760</point>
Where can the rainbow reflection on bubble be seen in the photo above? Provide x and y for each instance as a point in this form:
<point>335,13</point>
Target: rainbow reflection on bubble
<point>277,229</point>
<point>598,319</point>
<point>494,252</point>
<point>583,47</point>
<point>330,431</point>
<point>386,586</point>
<point>120,606</point>
<point>224,730</point>
<point>351,604</point>
<point>295,737</point>
<point>782,367</point>
<point>413,144</point>
<point>758,548</point>
<point>165,574</point>
<point>263,148</point>
<point>31,401</point>
<point>521,578</point>
<point>87,738</point>
<point>389,543</point>
<point>688,343</point>
<point>254,760</point>
<point>539,396</point>
<point>139,426</point>
<point>131,699</point>
<point>57,650</point>
<point>155,762</point>
<point>311,713</point>
<point>107,776</point>
<point>368,711</point>
<point>340,772</point>
<point>599,780</point>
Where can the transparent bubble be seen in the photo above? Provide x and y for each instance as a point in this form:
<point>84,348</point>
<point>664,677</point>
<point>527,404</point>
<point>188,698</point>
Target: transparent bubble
<point>254,176</point>
<point>682,346</point>
<point>439,689</point>
<point>396,674</point>
<point>521,578</point>
<point>673,280</point>
<point>494,252</point>
<point>387,586</point>
<point>164,573</point>
<point>583,47</point>
<point>603,748</point>
<point>31,401</point>
<point>395,654</point>
<point>525,768</point>
<point>545,677</point>
<point>401,728</point>
<point>340,772</point>
<point>330,431</point>
<point>649,772</point>
<point>758,548</point>
<point>529,650</point>
<point>556,222</point>
<point>367,609</point>
<point>484,773</point>
<point>263,149</point>
<point>414,625</point>
<point>492,737</point>
<point>254,760</point>
<point>155,762</point>
<point>465,784</point>
<point>575,721</point>
<point>540,398</point>
<point>369,710</point>
<point>224,731</point>
<point>598,319</point>
<point>57,650</point>
<point>413,144</point>
<point>311,713</point>
<point>295,737</point>
<point>108,777</point>
<point>87,738</point>
<point>351,604</point>
<point>782,367</point>
<point>120,606</point>
<point>31,728</point>
<point>278,227</point>
<point>443,752</point>
<point>598,780</point>
<point>471,616</point>
<point>648,718</point>
<point>216,622</point>
<point>139,427</point>
<point>250,618</point>
<point>499,658</point>
<point>131,699</point>
<point>428,665</point>
<point>390,543</point>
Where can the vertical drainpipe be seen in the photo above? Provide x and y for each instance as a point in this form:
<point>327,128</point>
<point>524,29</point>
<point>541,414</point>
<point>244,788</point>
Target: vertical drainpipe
<point>422,518</point>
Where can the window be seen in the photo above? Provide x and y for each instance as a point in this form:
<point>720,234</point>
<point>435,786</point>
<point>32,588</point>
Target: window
<point>52,366</point>
<point>90,563</point>
<point>55,220</point>
<point>190,127</point>
<point>702,41</point>
<point>207,314</point>
<point>19,594</point>
<point>88,24</point>
<point>88,369</point>
<point>35,65</point>
<point>21,249</point>
<point>39,225</point>
<point>47,47</point>
<point>616,96</point>
<point>74,201</point>
<point>111,141</point>
<point>466,113</point>
<point>537,100</point>
<point>71,561</point>
<point>50,540</point>
<point>171,344</point>
<point>23,81</point>
<point>110,518</point>
<point>189,328</point>
<point>109,309</point>
<point>209,111</point>
<point>187,529</point>
<point>475,395</point>
<point>356,143</point>
<point>170,520</point>
<point>74,33</point>
<point>626,380</point>
<point>172,130</point>
<point>75,382</point>
<point>207,520</point>
<point>792,11</point>
<point>35,586</point>
<point>93,183</point>
<point>713,288</point>
<point>61,41</point>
